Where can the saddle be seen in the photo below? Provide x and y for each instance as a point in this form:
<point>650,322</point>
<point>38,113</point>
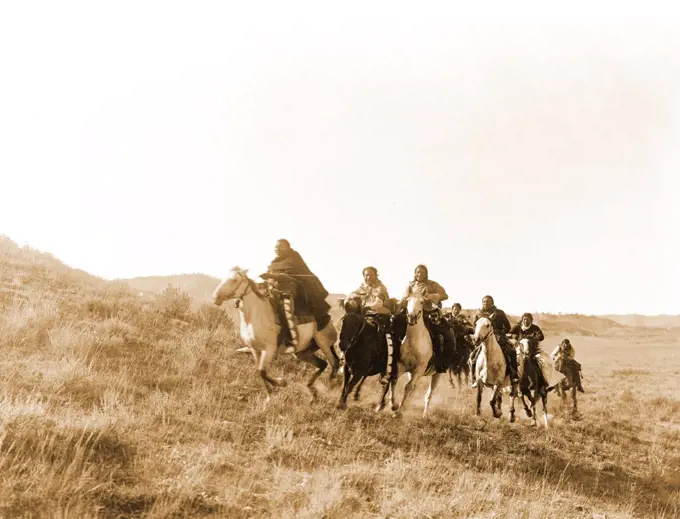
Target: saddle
<point>379,321</point>
<point>435,318</point>
<point>275,297</point>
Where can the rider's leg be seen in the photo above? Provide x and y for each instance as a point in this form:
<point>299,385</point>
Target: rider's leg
<point>576,375</point>
<point>437,344</point>
<point>291,322</point>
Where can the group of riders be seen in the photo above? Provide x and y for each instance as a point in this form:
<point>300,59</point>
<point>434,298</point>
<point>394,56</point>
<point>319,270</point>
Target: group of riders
<point>301,294</point>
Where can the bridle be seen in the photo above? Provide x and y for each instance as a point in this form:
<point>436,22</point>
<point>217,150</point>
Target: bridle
<point>414,318</point>
<point>248,286</point>
<point>356,335</point>
<point>485,337</point>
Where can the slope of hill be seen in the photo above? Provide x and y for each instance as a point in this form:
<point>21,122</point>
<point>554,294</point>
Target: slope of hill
<point>113,405</point>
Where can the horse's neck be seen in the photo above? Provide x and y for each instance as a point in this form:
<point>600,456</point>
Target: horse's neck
<point>492,350</point>
<point>417,333</point>
<point>255,310</point>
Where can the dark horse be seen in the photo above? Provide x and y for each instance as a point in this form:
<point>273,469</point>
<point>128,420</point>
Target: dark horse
<point>532,383</point>
<point>366,352</point>
<point>461,354</point>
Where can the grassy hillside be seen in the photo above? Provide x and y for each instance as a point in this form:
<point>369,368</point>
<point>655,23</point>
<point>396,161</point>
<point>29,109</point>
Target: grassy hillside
<point>112,405</point>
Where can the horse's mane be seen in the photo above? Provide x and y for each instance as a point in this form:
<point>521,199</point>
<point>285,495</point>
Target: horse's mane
<point>251,283</point>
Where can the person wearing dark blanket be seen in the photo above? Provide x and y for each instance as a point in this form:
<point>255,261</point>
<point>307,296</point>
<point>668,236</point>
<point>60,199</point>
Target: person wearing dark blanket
<point>296,284</point>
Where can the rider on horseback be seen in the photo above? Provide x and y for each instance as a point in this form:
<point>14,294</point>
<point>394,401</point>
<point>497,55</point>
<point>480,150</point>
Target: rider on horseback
<point>565,362</point>
<point>372,297</point>
<point>434,294</point>
<point>526,329</point>
<point>501,326</point>
<point>288,274</point>
<point>459,321</point>
<point>372,294</point>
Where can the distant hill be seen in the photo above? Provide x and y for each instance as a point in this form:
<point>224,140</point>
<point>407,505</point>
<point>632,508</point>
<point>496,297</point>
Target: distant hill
<point>649,321</point>
<point>199,286</point>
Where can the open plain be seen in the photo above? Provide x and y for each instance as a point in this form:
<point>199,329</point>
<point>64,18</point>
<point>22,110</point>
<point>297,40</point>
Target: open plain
<point>117,405</point>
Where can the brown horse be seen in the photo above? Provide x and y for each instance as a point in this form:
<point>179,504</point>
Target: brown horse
<point>260,331</point>
<point>533,380</point>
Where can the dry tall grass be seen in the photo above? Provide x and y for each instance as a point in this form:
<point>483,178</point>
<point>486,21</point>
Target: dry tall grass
<point>113,406</point>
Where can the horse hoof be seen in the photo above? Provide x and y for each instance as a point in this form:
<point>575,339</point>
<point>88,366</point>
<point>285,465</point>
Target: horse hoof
<point>512,418</point>
<point>341,406</point>
<point>379,408</point>
<point>281,382</point>
<point>396,414</point>
<point>528,413</point>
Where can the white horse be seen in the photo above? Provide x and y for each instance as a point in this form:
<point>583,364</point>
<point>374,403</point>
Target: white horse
<point>260,331</point>
<point>490,368</point>
<point>415,354</point>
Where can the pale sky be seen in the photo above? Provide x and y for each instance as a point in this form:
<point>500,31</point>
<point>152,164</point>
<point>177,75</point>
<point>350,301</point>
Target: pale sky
<point>526,153</point>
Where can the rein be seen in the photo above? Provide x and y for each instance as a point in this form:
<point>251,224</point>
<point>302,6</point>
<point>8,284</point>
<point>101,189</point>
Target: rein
<point>249,285</point>
<point>474,352</point>
<point>417,316</point>
<point>355,337</point>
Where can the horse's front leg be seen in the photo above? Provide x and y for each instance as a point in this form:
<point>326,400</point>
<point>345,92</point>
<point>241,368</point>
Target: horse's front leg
<point>574,410</point>
<point>393,393</point>
<point>480,389</point>
<point>264,361</point>
<point>357,391</point>
<point>526,407</point>
<point>345,389</point>
<point>413,379</point>
<point>533,399</point>
<point>495,401</point>
<point>544,399</point>
<point>382,403</point>
<point>433,384</point>
<point>512,408</point>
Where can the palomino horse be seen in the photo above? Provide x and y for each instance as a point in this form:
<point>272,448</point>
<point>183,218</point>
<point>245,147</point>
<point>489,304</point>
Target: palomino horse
<point>490,368</point>
<point>533,381</point>
<point>415,355</point>
<point>260,331</point>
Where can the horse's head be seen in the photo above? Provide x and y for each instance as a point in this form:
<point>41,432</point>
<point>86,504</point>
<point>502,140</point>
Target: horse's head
<point>414,308</point>
<point>233,287</point>
<point>352,324</point>
<point>523,346</point>
<point>351,304</point>
<point>483,329</point>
